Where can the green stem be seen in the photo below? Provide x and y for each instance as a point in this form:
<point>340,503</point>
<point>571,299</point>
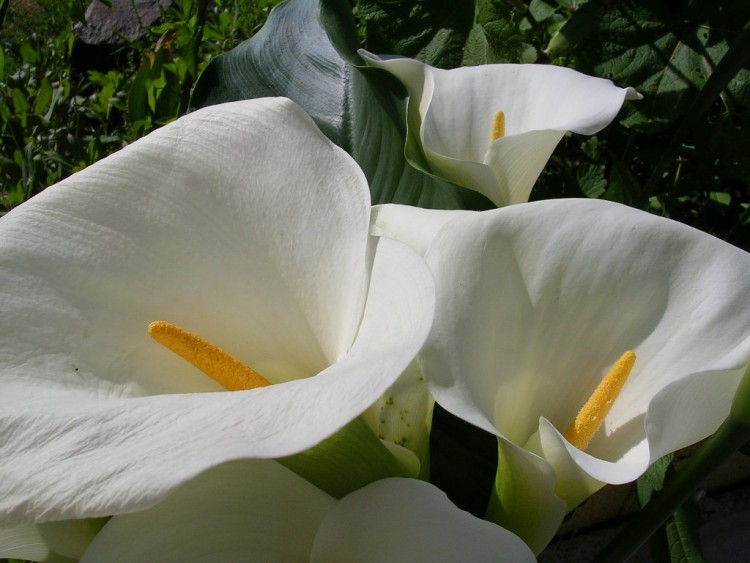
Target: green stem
<point>192,74</point>
<point>3,10</point>
<point>730,64</point>
<point>733,433</point>
<point>582,22</point>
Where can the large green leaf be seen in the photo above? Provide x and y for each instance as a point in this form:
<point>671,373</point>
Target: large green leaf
<point>665,55</point>
<point>307,52</point>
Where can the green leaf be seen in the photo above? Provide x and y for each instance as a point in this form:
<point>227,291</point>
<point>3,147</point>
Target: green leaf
<point>497,36</point>
<point>677,540</point>
<point>43,97</point>
<point>591,180</point>
<point>360,109</point>
<point>666,54</point>
<point>351,459</point>
<point>540,10</point>
<point>28,53</point>
<point>20,103</point>
<point>653,479</point>
<point>682,535</point>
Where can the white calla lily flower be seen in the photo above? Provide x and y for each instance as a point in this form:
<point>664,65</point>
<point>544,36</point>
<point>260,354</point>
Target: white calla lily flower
<point>238,229</point>
<point>537,302</point>
<point>492,128</point>
<point>256,510</point>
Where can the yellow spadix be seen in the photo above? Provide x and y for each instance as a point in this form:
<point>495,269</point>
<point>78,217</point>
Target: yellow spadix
<point>209,358</point>
<point>591,416</point>
<point>498,126</point>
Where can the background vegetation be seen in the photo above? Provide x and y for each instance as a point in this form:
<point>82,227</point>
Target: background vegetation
<point>62,109</point>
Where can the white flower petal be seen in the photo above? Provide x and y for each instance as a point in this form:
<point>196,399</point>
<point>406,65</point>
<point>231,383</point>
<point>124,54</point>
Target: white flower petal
<point>523,497</point>
<point>406,520</point>
<point>204,224</point>
<point>709,393</point>
<point>249,510</point>
<point>99,458</point>
<point>534,306</point>
<point>411,225</point>
<point>23,542</point>
<point>517,162</point>
<point>452,111</point>
<point>537,301</point>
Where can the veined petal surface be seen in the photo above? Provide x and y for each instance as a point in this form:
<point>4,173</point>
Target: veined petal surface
<point>248,510</point>
<point>405,520</point>
<point>414,226</point>
<point>536,302</point>
<point>256,510</point>
<point>240,223</point>
<point>451,115</point>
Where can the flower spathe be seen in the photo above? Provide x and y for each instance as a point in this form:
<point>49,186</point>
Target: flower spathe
<point>240,223</point>
<point>537,302</point>
<point>492,128</point>
<point>256,510</point>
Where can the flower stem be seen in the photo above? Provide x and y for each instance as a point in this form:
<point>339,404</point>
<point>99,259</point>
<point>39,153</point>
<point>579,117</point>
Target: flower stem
<point>733,433</point>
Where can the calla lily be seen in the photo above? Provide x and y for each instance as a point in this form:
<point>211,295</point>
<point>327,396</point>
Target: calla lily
<point>239,229</point>
<point>277,516</point>
<point>256,510</point>
<point>492,128</point>
<point>537,302</point>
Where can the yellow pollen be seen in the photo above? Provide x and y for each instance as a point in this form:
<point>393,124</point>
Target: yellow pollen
<point>591,416</point>
<point>210,359</point>
<point>498,127</point>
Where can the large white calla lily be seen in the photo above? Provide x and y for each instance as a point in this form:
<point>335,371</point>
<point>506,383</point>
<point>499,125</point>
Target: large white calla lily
<point>492,128</point>
<point>239,223</point>
<point>537,302</point>
<point>256,510</point>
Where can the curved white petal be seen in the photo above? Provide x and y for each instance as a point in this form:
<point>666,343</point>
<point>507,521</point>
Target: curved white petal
<point>396,520</point>
<point>205,224</point>
<point>523,498</point>
<point>255,510</point>
<point>453,111</point>
<point>23,542</point>
<point>535,304</point>
<point>709,393</point>
<point>251,510</point>
<point>517,162</point>
<point>414,226</point>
